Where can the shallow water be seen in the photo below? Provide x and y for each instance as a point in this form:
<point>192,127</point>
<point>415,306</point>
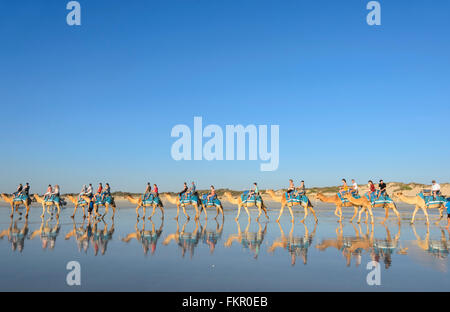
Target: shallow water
<point>213,256</point>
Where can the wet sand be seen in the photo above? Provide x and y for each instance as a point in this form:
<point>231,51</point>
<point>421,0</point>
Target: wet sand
<point>209,257</point>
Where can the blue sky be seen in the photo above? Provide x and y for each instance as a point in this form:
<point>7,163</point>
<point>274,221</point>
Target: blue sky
<point>97,102</point>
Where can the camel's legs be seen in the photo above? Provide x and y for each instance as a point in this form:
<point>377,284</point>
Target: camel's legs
<point>265,212</point>
<point>84,212</point>
<point>259,212</point>
<point>425,212</point>
<point>292,214</point>
<point>239,212</point>
<point>43,210</point>
<point>162,212</point>
<point>206,214</point>
<point>354,215</point>
<point>184,211</point>
<point>248,213</point>
<point>306,214</point>
<point>153,211</point>
<point>360,213</point>
<point>137,211</point>
<point>441,215</point>
<point>114,211</point>
<point>27,206</point>
<point>12,210</point>
<point>197,214</point>
<point>416,208</point>
<point>281,212</point>
<point>386,209</point>
<point>396,212</point>
<point>75,210</point>
<point>106,210</point>
<point>314,213</point>
<point>178,211</point>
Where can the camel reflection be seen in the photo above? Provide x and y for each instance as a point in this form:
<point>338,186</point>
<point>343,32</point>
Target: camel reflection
<point>354,246</point>
<point>48,232</point>
<point>436,248</point>
<point>82,234</point>
<point>101,236</point>
<point>385,248</point>
<point>211,237</point>
<point>16,236</point>
<point>295,245</point>
<point>187,241</point>
<point>148,238</point>
<point>249,240</point>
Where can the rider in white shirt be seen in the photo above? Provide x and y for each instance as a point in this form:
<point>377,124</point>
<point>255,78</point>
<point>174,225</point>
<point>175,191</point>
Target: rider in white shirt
<point>354,186</point>
<point>435,189</point>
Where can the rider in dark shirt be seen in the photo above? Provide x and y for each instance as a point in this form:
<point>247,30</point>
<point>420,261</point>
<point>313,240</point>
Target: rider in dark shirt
<point>382,187</point>
<point>185,188</point>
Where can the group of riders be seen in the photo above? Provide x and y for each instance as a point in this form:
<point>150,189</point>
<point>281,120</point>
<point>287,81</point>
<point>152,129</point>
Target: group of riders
<point>100,195</point>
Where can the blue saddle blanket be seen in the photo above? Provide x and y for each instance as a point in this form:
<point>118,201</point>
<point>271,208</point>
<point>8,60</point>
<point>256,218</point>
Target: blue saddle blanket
<point>252,199</point>
<point>294,197</point>
<point>151,199</point>
<point>107,199</point>
<point>375,200</point>
<point>189,198</point>
<point>212,201</point>
<point>430,200</point>
<point>345,200</point>
<point>53,199</point>
<point>20,198</point>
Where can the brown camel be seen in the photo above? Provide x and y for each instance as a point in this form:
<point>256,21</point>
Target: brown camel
<point>238,201</point>
<point>139,203</point>
<point>419,203</point>
<point>367,205</point>
<point>176,201</point>
<point>106,205</point>
<point>282,199</point>
<point>47,204</point>
<point>334,199</point>
<point>75,201</point>
<point>17,203</point>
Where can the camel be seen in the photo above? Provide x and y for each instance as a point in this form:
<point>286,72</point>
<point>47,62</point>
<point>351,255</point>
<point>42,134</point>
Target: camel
<point>48,204</point>
<point>215,202</point>
<point>108,202</point>
<point>238,201</point>
<point>367,205</point>
<point>284,202</point>
<point>334,199</point>
<point>82,203</point>
<point>153,203</point>
<point>436,248</point>
<point>419,203</point>
<point>17,202</point>
<point>176,201</point>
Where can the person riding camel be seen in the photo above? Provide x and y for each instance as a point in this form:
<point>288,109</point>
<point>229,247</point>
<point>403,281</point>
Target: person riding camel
<point>185,189</point>
<point>344,188</point>
<point>382,189</point>
<point>435,189</point>
<point>291,188</point>
<point>211,194</point>
<point>148,191</point>
<point>254,191</point>
<point>18,190</point>
<point>49,192</point>
<point>301,190</point>
<point>155,190</point>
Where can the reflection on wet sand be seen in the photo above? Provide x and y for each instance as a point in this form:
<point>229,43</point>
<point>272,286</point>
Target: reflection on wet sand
<point>148,238</point>
<point>249,240</point>
<point>185,240</point>
<point>295,245</point>
<point>92,233</point>
<point>436,248</point>
<point>353,246</point>
<point>16,236</point>
<point>48,232</point>
<point>211,237</point>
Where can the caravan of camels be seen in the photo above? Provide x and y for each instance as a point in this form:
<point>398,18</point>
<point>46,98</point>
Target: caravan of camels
<point>346,196</point>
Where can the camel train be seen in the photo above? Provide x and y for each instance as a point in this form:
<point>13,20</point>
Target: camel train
<point>346,197</point>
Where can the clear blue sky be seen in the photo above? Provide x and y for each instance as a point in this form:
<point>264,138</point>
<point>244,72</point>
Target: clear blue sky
<point>97,102</point>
